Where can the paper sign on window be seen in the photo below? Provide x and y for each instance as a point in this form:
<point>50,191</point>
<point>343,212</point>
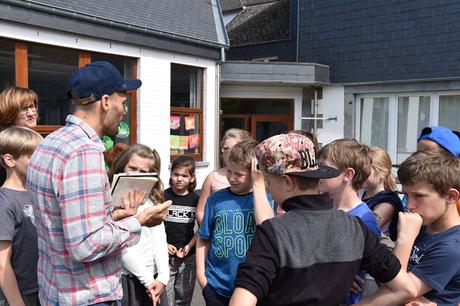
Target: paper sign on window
<point>174,122</point>
<point>183,142</point>
<point>193,141</point>
<point>190,123</point>
<point>174,142</point>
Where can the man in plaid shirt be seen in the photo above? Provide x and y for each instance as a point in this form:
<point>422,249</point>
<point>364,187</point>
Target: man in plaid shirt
<point>78,239</point>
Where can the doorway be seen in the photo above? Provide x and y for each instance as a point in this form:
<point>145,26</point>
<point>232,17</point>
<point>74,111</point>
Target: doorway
<point>263,118</point>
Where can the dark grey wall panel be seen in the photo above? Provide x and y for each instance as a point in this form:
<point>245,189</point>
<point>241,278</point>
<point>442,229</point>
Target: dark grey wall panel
<point>381,40</point>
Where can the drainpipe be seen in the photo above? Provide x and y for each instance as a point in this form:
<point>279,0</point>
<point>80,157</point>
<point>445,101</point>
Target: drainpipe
<point>315,112</point>
<point>217,110</point>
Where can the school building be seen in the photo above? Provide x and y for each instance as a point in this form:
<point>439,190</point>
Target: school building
<point>377,71</point>
<point>173,46</point>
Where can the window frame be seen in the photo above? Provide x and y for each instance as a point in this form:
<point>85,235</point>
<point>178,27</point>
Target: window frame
<point>192,111</point>
<point>392,133</point>
<point>84,58</point>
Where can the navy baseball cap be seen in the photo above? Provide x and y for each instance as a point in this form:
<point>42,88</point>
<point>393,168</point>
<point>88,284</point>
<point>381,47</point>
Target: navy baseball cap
<point>444,137</point>
<point>88,84</point>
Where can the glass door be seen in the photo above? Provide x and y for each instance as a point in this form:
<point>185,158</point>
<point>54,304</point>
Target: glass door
<point>265,126</point>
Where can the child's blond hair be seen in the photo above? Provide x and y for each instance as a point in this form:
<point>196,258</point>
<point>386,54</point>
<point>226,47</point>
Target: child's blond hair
<point>349,153</point>
<point>243,153</point>
<point>18,141</point>
<point>381,163</point>
<point>437,168</point>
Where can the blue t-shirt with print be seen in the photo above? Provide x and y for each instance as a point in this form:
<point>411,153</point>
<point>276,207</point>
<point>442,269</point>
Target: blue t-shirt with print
<point>229,224</point>
<point>435,260</point>
<point>363,212</point>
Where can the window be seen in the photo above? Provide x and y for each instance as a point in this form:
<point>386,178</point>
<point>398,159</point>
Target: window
<point>6,63</point>
<point>186,122</point>
<point>413,116</point>
<point>449,112</point>
<point>127,67</point>
<point>47,69</point>
<point>395,121</point>
<point>374,121</point>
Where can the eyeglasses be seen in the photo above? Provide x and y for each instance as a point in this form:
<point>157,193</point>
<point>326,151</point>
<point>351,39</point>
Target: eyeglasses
<point>32,107</point>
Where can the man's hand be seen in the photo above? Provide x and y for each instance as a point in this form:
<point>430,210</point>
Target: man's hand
<point>129,204</point>
<point>172,250</point>
<point>154,215</point>
<point>409,225</point>
<point>155,290</point>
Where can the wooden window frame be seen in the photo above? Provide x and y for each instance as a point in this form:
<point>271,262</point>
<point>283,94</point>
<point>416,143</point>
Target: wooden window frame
<point>193,111</point>
<point>84,58</point>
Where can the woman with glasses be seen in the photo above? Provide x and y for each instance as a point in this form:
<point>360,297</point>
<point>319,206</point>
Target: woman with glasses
<point>18,106</point>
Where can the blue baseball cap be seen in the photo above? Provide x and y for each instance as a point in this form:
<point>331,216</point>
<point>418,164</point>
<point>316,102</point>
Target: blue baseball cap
<point>444,137</point>
<point>88,84</point>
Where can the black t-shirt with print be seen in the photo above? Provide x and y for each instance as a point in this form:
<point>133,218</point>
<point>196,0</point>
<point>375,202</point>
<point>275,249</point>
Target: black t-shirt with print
<point>180,222</point>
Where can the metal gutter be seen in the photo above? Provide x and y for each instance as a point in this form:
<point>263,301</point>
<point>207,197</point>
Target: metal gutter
<point>59,11</point>
<point>222,35</point>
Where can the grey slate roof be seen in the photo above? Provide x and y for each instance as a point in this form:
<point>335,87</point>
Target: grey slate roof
<point>229,5</point>
<point>261,21</point>
<point>185,18</point>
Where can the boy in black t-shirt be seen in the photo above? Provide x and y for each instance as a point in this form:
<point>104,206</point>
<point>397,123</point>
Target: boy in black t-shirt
<point>180,233</point>
<point>18,236</point>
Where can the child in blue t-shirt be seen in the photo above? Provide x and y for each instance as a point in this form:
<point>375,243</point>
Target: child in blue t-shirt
<point>229,224</point>
<point>353,161</point>
<point>431,183</point>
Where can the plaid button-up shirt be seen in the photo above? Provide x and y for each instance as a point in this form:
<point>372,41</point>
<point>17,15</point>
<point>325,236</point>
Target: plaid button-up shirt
<point>78,241</point>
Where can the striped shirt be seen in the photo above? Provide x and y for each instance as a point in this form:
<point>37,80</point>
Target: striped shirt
<point>78,241</point>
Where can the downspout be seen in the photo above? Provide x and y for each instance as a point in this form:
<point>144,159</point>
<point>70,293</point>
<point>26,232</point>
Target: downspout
<point>297,32</point>
<point>315,112</point>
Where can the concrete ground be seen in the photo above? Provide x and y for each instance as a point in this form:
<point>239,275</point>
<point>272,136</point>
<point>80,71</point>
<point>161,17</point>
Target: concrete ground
<point>197,296</point>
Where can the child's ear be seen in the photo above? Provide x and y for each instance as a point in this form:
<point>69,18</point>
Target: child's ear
<point>9,160</point>
<point>452,196</point>
<point>349,173</point>
<point>289,182</point>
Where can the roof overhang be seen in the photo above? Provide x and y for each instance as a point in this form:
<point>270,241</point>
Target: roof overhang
<point>274,73</point>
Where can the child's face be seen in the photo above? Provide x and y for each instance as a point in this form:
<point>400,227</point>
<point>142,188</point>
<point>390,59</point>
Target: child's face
<point>137,164</point>
<point>239,178</point>
<point>334,185</point>
<point>21,164</point>
<point>181,178</point>
<point>423,199</point>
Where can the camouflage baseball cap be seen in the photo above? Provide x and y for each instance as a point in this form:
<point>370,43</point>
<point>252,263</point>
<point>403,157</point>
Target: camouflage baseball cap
<point>291,154</point>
